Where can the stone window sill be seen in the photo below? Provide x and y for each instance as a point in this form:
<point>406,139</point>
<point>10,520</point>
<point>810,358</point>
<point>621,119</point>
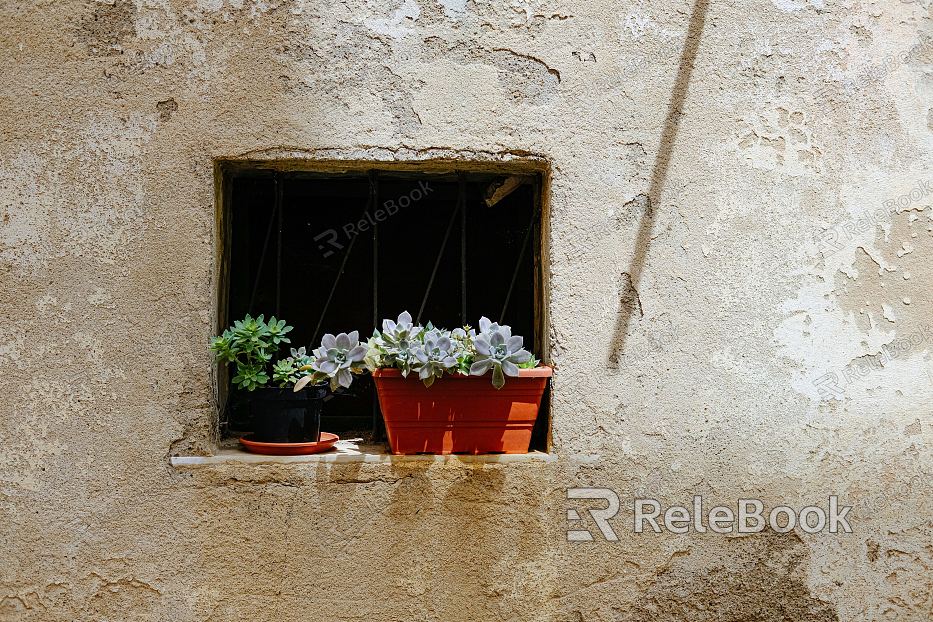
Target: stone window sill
<point>352,453</point>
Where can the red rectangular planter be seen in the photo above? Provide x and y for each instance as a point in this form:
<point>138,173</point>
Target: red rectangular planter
<point>460,414</point>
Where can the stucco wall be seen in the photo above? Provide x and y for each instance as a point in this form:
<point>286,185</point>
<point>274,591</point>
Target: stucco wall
<point>706,162</point>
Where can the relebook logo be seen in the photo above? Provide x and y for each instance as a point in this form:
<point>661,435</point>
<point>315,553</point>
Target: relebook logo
<point>747,516</point>
<point>329,240</point>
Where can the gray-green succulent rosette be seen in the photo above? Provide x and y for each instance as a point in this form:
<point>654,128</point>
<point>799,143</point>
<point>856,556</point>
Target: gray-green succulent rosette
<point>335,362</point>
<point>432,352</point>
<point>395,345</point>
<point>434,356</point>
<point>498,350</point>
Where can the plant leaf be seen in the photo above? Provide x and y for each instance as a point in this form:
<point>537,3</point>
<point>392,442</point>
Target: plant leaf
<point>343,341</point>
<point>344,378</point>
<point>482,345</point>
<point>301,384</point>
<point>498,380</point>
<point>480,367</point>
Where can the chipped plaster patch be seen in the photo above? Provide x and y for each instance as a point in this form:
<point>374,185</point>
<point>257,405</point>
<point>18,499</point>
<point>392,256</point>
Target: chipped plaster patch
<point>844,310</point>
<point>12,351</point>
<point>793,6</point>
<point>636,25</point>
<point>22,463</point>
<point>397,26</point>
<point>454,8</point>
<point>781,139</point>
<point>29,190</point>
<point>166,38</point>
<point>819,338</point>
<point>888,312</point>
<point>109,212</point>
<point>523,77</point>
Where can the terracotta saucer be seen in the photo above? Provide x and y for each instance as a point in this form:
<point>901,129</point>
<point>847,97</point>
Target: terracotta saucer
<point>290,449</point>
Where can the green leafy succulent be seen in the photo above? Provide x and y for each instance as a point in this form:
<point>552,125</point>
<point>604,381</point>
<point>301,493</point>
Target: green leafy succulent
<point>290,370</point>
<point>250,345</point>
<point>531,363</point>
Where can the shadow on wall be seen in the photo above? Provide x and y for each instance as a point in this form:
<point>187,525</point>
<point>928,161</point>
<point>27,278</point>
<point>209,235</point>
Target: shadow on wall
<point>662,162</point>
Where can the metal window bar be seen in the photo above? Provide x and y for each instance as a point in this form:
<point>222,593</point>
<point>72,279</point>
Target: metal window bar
<point>518,264</point>
<point>343,265</point>
<point>276,209</point>
<point>461,198</point>
<point>374,201</point>
<point>440,253</point>
<point>279,191</point>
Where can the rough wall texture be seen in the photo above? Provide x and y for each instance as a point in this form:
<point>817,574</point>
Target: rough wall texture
<point>741,212</point>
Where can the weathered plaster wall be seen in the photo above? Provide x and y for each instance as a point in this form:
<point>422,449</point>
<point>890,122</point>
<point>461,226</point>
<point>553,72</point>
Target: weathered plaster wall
<point>728,226</point>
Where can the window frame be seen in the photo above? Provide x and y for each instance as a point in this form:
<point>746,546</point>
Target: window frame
<point>227,169</point>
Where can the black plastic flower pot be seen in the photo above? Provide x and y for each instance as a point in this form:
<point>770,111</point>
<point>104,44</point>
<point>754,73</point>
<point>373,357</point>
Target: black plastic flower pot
<point>283,416</point>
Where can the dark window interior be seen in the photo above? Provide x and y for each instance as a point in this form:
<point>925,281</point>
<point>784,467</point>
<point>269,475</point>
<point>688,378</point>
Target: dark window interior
<point>334,253</point>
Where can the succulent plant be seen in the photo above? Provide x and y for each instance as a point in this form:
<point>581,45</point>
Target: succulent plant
<point>434,356</point>
<point>338,358</point>
<point>290,370</point>
<point>464,349</point>
<point>401,327</point>
<point>395,345</point>
<point>250,344</point>
<point>429,351</point>
<point>432,352</point>
<point>488,326</point>
<point>497,349</point>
